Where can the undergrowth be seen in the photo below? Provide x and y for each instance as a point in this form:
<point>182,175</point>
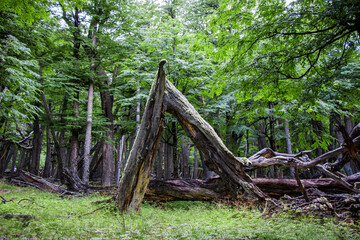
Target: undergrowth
<point>81,218</point>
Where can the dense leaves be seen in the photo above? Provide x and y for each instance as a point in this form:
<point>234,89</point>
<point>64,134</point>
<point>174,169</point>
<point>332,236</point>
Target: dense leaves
<point>249,67</point>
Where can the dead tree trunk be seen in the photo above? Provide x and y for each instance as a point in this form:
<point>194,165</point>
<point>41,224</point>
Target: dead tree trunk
<point>164,96</point>
<point>213,151</point>
<point>134,181</point>
<point>214,188</point>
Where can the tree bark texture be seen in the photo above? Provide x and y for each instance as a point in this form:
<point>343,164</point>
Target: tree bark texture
<point>213,151</point>
<point>36,147</point>
<point>214,188</point>
<point>135,178</point>
<point>107,101</point>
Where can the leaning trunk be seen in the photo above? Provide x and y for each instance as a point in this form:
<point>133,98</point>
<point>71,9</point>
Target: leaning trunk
<point>213,151</point>
<point>135,178</point>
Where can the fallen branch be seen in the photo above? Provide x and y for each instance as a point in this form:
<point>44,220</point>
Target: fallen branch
<point>92,211</point>
<point>4,200</point>
<point>18,216</point>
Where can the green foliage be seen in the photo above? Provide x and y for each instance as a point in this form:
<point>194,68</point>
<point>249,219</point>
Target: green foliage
<point>27,11</point>
<point>19,73</point>
<point>80,218</point>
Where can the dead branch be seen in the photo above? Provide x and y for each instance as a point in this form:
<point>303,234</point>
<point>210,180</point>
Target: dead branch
<point>18,216</point>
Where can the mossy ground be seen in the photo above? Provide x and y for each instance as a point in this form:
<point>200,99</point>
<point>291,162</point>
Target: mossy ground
<point>73,218</point>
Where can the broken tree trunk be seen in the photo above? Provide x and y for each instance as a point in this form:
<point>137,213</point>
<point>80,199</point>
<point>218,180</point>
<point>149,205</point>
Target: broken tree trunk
<point>135,178</point>
<point>213,151</point>
<point>38,182</point>
<point>165,97</point>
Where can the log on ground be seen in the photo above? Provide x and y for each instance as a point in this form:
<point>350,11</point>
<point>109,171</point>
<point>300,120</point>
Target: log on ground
<point>215,189</point>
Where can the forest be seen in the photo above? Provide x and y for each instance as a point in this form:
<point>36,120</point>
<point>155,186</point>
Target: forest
<point>251,103</point>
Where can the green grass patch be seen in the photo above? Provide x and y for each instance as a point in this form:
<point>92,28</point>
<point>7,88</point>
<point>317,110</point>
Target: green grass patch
<point>76,218</point>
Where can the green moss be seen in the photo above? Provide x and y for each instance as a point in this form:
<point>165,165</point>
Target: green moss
<point>73,218</point>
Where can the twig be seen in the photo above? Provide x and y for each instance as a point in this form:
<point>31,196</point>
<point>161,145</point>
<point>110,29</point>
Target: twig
<point>92,211</point>
<point>4,200</point>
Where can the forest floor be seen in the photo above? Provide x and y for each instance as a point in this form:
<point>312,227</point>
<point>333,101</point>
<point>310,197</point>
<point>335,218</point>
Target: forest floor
<point>27,213</point>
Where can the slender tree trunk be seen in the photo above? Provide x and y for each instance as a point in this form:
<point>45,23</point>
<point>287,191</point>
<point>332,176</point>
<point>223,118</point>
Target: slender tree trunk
<point>47,168</point>
<point>108,153</point>
<point>196,165</point>
<point>119,165</point>
<point>261,145</point>
<point>207,172</point>
<point>138,108</point>
<point>288,144</point>
<point>36,147</point>
<point>20,164</point>
<point>13,164</point>
<point>168,160</point>
<point>75,145</point>
<point>349,166</point>
<point>185,148</point>
<point>87,142</point>
<point>175,174</point>
<point>159,162</point>
<point>56,142</point>
<point>5,158</point>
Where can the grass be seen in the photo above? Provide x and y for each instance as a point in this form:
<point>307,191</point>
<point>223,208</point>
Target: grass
<point>76,218</point>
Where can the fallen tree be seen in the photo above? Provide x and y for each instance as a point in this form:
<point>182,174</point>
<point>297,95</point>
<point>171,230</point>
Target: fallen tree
<point>165,97</point>
<point>233,182</point>
<point>215,189</point>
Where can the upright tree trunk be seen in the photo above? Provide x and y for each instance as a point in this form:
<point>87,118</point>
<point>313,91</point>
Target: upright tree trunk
<point>47,168</point>
<point>288,144</point>
<point>4,156</point>
<point>185,150</point>
<point>108,153</point>
<point>87,142</point>
<point>272,139</point>
<point>56,142</point>
<point>196,165</point>
<point>350,166</point>
<point>169,167</point>
<point>36,147</point>
<point>175,174</point>
<point>118,165</point>
<point>13,164</point>
<point>20,163</point>
<point>75,145</point>
<point>159,162</point>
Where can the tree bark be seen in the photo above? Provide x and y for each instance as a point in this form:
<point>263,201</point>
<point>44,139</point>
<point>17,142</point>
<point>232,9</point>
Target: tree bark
<point>47,168</point>
<point>36,147</point>
<point>119,160</point>
<point>135,178</point>
<point>175,173</point>
<point>159,162</point>
<point>185,148</point>
<point>107,151</point>
<point>288,144</point>
<point>214,188</point>
<point>87,143</point>
<point>196,165</point>
<point>215,154</point>
<point>13,164</point>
